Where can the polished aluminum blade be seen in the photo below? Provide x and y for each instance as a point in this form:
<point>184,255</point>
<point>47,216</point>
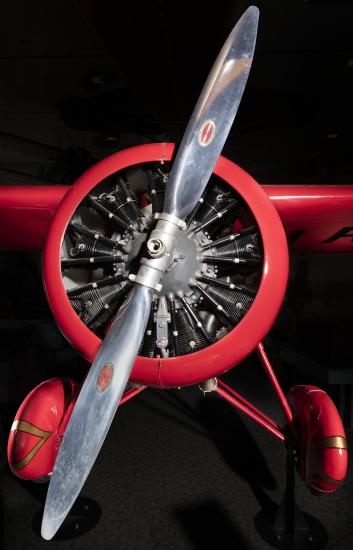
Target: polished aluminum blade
<point>212,118</point>
<point>101,392</point>
<point>95,407</point>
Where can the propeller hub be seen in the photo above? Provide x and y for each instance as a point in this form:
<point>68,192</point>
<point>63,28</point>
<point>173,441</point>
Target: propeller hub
<point>187,262</point>
<point>183,260</point>
<point>156,248</point>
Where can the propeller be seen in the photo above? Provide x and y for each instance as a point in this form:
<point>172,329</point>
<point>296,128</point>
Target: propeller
<point>103,387</point>
<point>212,118</point>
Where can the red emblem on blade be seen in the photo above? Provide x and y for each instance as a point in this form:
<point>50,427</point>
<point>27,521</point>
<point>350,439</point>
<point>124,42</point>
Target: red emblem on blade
<point>105,377</point>
<point>207,133</point>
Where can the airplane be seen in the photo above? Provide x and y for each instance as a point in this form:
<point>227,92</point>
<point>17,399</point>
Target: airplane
<point>166,267</point>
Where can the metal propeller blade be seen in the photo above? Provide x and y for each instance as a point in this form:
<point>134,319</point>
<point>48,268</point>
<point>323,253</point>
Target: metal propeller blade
<point>95,407</point>
<point>212,118</point>
<point>106,380</point>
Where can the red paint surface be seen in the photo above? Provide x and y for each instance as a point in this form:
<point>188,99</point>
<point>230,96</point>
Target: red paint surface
<point>320,210</point>
<point>274,382</point>
<point>216,358</point>
<point>25,215</point>
<point>130,393</point>
<point>48,407</point>
<point>316,419</point>
<point>207,133</point>
<point>105,377</point>
<point>249,411</point>
<point>248,408</point>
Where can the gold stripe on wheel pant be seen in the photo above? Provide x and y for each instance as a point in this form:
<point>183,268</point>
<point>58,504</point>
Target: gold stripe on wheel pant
<point>26,427</point>
<point>332,442</point>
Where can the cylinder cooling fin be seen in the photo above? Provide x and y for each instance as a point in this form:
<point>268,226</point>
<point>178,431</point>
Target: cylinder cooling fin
<point>212,281</point>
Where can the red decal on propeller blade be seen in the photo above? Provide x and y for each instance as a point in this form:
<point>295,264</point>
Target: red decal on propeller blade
<point>105,377</point>
<point>207,133</point>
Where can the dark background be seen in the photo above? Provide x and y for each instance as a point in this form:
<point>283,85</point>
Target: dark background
<point>88,78</point>
<point>82,79</point>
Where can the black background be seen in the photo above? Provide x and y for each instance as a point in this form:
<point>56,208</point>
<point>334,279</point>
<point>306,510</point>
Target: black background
<point>79,80</point>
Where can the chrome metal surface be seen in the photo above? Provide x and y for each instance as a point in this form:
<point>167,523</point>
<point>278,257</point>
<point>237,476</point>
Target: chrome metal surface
<point>170,218</point>
<point>187,262</point>
<point>160,247</point>
<point>109,373</point>
<point>162,318</point>
<point>95,409</point>
<point>212,118</point>
<point>209,385</point>
<point>156,248</point>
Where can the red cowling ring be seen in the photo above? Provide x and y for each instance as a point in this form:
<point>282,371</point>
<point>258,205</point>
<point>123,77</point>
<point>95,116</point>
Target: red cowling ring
<point>220,356</point>
<point>323,446</point>
<point>39,426</point>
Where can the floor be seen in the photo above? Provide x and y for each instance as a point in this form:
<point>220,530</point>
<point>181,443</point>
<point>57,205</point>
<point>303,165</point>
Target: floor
<point>178,471</point>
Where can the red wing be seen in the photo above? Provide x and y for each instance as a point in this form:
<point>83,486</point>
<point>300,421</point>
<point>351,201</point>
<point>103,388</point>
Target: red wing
<point>317,219</point>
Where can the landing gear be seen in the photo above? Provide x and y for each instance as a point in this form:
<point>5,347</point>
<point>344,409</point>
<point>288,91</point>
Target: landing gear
<point>38,428</point>
<point>316,449</point>
<point>291,528</point>
<point>319,439</point>
<point>40,424</point>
